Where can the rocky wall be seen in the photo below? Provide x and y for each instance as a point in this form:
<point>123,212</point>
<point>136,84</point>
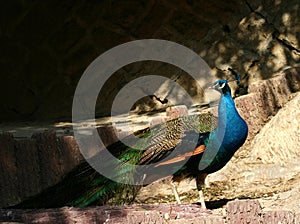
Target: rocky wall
<point>238,211</point>
<point>46,45</point>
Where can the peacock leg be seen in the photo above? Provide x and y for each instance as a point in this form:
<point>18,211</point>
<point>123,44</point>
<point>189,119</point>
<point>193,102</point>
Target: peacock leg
<point>200,181</point>
<point>201,199</point>
<point>174,188</point>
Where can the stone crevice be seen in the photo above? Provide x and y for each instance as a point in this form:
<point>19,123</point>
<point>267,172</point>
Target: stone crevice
<point>288,45</point>
<point>276,33</point>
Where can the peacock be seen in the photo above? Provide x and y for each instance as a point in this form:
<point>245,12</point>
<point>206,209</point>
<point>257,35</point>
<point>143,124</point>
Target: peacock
<point>219,145</point>
<point>214,140</point>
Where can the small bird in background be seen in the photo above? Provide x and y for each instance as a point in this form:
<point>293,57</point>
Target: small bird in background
<point>215,140</point>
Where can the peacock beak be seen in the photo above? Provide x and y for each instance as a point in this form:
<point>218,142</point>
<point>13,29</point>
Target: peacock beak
<point>214,86</point>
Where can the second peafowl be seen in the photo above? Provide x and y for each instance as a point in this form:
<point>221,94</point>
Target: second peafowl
<point>215,141</point>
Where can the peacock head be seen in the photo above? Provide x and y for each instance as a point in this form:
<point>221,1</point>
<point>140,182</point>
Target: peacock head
<point>222,86</point>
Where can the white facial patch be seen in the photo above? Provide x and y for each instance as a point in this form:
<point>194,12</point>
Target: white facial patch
<point>222,85</point>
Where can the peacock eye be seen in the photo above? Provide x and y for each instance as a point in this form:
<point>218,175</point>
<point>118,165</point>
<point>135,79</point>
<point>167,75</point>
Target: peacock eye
<point>222,85</point>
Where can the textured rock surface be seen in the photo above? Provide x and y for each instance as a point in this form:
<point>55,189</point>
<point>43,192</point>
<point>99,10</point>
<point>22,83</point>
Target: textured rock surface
<point>239,211</point>
<point>279,140</point>
<point>46,46</point>
<point>28,166</point>
<point>266,97</point>
<point>114,214</point>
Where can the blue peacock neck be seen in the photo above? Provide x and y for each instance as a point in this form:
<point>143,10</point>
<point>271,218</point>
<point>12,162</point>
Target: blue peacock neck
<point>228,137</point>
<point>226,113</point>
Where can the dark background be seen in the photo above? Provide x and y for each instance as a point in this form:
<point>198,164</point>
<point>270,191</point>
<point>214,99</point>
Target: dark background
<point>46,45</point>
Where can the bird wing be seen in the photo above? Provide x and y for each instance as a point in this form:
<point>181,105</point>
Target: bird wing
<point>199,150</point>
<point>165,137</point>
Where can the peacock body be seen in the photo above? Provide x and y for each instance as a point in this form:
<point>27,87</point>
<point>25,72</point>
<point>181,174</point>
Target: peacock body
<point>217,139</point>
<point>222,136</point>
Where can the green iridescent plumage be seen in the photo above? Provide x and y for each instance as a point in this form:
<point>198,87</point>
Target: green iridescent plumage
<point>161,138</point>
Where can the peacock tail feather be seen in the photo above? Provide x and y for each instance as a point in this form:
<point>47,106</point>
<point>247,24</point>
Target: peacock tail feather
<point>150,148</point>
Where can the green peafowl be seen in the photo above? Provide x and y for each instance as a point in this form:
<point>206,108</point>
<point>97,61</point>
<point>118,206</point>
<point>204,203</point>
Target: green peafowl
<point>216,139</point>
